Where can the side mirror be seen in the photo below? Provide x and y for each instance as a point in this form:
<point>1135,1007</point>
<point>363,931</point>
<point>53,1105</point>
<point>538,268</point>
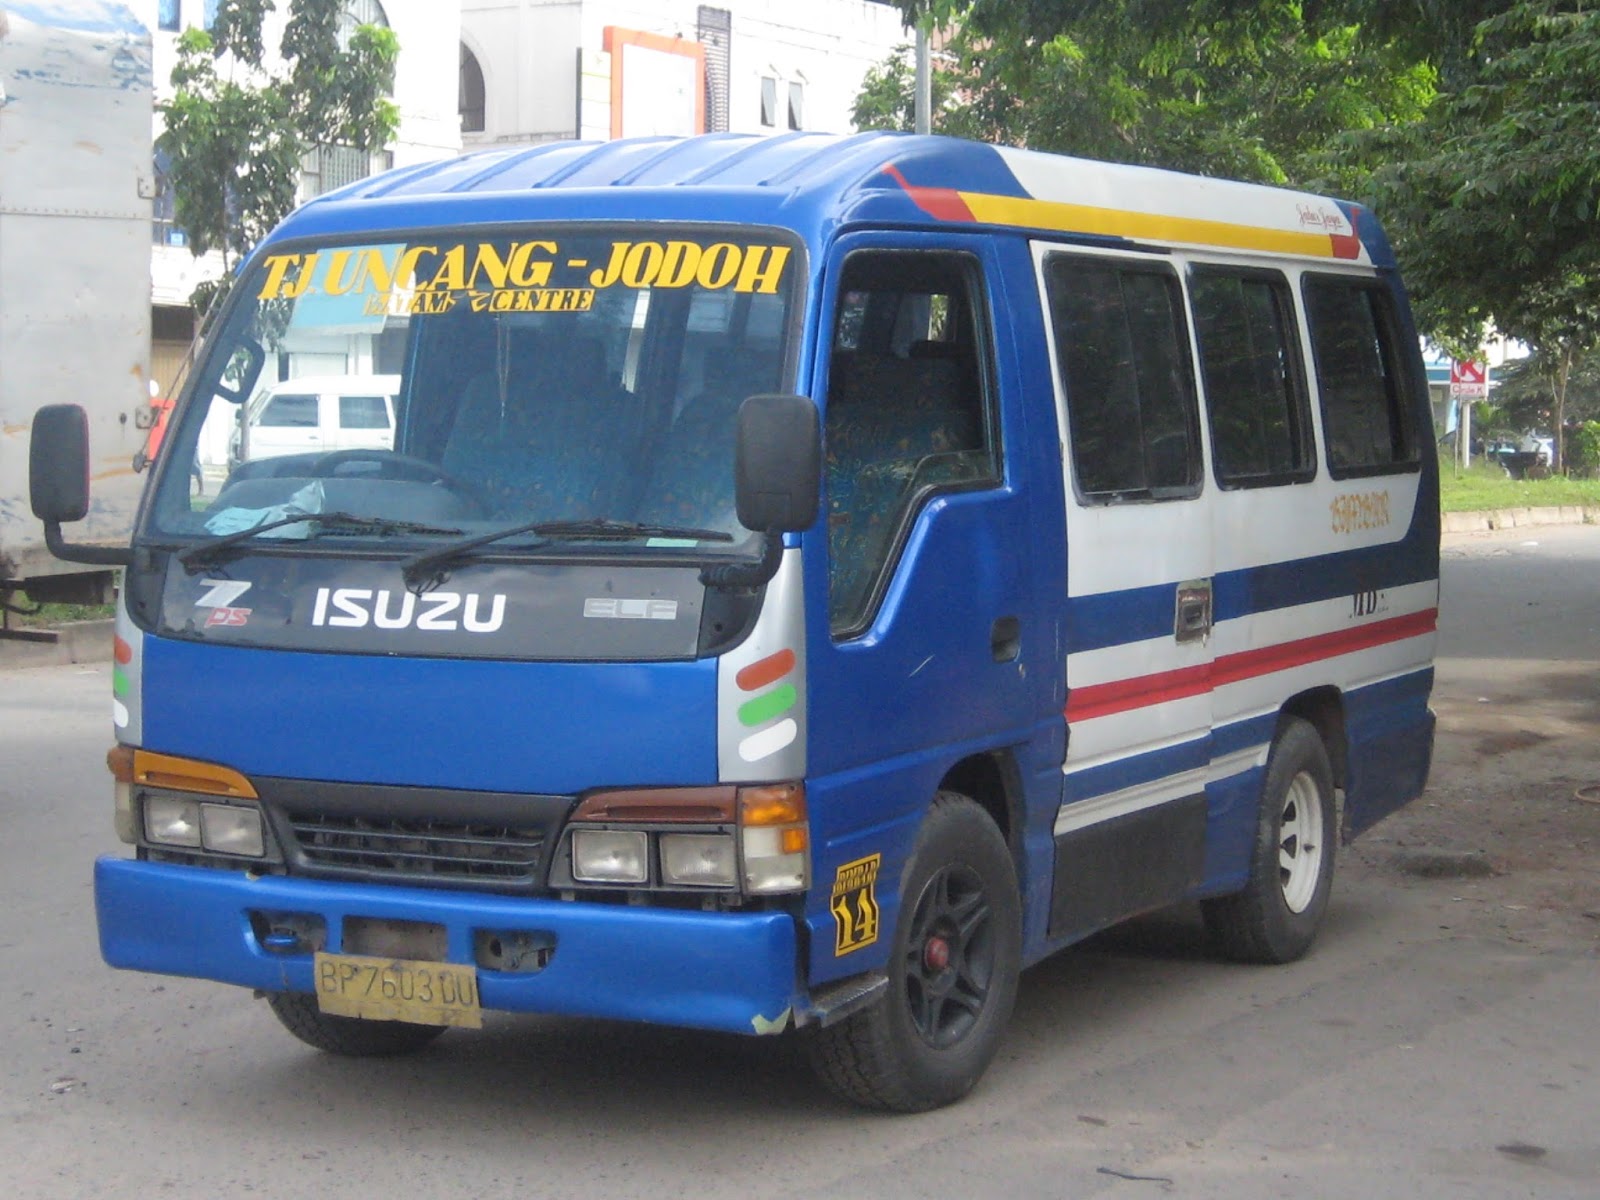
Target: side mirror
<point>58,482</point>
<point>58,463</point>
<point>778,464</point>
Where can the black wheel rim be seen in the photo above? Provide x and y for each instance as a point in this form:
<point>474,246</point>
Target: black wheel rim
<point>949,956</point>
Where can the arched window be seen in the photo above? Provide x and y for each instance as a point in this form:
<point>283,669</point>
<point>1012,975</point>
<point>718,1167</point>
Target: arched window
<point>470,96</point>
<point>359,12</point>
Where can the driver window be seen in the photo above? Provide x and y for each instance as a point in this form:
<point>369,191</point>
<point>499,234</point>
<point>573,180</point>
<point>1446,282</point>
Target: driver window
<point>906,414</point>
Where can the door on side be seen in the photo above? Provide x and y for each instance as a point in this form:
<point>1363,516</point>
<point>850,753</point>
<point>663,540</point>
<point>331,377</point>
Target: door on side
<point>1131,831</point>
<point>921,651</point>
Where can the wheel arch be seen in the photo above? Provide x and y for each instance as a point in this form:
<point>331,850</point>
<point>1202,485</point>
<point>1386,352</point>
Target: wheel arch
<point>1323,709</point>
<point>992,780</point>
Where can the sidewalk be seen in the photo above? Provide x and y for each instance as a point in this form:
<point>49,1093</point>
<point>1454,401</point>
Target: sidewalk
<point>77,642</point>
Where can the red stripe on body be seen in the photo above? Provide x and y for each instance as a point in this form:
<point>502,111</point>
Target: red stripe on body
<point>945,204</point>
<point>1125,695</point>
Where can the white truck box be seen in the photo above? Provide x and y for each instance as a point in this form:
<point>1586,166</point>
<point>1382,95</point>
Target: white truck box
<point>75,212</point>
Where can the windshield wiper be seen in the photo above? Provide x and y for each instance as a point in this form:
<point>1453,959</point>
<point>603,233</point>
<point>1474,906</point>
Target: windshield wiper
<point>205,553</point>
<point>420,567</point>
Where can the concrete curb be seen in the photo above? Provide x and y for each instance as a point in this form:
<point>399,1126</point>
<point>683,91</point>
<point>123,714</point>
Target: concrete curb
<point>1520,518</point>
<point>76,642</point>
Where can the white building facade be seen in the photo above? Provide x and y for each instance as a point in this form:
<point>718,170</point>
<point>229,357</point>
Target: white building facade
<point>541,70</point>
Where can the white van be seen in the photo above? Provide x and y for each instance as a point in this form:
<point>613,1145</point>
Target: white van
<point>317,413</point>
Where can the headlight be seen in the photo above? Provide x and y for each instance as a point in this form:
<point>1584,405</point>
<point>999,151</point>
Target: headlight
<point>231,829</point>
<point>172,820</point>
<point>610,856</point>
<point>219,828</point>
<point>699,859</point>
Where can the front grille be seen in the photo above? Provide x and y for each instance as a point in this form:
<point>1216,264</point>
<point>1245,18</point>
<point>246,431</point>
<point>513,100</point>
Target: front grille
<point>437,852</point>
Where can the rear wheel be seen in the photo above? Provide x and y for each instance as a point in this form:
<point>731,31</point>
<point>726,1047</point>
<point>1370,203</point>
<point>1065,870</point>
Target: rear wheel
<point>347,1036</point>
<point>952,973</point>
<point>1275,918</point>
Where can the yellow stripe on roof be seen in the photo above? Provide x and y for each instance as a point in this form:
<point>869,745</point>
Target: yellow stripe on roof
<point>1149,227</point>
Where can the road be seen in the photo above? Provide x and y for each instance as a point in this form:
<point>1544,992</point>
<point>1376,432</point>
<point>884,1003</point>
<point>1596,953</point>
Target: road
<point>1441,1041</point>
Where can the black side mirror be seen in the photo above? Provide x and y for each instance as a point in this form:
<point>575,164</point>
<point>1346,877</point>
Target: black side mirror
<point>58,463</point>
<point>58,482</point>
<point>778,464</point>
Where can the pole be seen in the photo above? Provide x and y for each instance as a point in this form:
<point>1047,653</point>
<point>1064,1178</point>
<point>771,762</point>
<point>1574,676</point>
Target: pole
<point>924,99</point>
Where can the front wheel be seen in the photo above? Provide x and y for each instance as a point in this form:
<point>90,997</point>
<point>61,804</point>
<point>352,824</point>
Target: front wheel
<point>1275,918</point>
<point>952,971</point>
<point>350,1037</point>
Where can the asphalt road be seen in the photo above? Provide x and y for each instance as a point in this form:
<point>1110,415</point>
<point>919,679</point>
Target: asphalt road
<point>1441,1040</point>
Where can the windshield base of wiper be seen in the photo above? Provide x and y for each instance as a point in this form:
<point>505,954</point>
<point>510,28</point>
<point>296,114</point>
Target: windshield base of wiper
<point>421,570</point>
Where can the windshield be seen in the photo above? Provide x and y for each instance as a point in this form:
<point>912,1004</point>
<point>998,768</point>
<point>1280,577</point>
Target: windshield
<point>452,386</point>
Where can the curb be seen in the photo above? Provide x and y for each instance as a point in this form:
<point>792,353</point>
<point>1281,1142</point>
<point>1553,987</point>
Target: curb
<point>1519,518</point>
<point>76,642</point>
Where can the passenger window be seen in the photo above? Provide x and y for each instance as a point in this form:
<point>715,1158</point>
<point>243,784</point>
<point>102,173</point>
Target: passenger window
<point>906,416</point>
<point>1360,375</point>
<point>363,412</point>
<point>1122,351</point>
<point>1254,385</point>
<point>290,411</point>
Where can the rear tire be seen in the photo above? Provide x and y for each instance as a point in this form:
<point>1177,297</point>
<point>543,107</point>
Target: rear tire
<point>347,1036</point>
<point>1276,917</point>
<point>952,970</point>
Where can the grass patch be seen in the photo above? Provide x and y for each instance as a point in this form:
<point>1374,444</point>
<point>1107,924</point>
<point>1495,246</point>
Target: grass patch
<point>49,616</point>
<point>1479,487</point>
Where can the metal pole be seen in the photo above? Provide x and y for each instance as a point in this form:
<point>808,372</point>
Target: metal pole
<point>924,100</point>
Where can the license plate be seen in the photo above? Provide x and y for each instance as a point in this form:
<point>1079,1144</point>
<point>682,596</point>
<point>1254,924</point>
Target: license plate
<point>392,989</point>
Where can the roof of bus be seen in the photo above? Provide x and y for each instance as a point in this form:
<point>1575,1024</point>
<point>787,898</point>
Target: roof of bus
<point>818,183</point>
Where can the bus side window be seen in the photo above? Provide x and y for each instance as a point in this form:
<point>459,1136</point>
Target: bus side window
<point>1122,351</point>
<point>1250,366</point>
<point>1360,376</point>
<point>906,416</point>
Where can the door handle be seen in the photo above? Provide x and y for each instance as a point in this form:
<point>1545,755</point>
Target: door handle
<point>1192,622</point>
<point>1005,639</point>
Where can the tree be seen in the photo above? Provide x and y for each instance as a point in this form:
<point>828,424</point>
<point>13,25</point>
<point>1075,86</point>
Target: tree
<point>238,128</point>
<point>1252,90</point>
<point>1493,197</point>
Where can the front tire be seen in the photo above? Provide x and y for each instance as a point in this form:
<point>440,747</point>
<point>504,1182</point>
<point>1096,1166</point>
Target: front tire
<point>1276,917</point>
<point>952,970</point>
<point>349,1037</point>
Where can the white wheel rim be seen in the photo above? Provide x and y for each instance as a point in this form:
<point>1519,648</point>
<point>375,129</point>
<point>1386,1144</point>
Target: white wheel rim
<point>1300,842</point>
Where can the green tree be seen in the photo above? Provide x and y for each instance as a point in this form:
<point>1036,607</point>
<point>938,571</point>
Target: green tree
<point>1493,198</point>
<point>1222,87</point>
<point>238,128</point>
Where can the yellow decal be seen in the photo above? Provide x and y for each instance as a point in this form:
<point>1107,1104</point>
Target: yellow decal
<point>678,264</point>
<point>1364,510</point>
<point>515,277</point>
<point>855,904</point>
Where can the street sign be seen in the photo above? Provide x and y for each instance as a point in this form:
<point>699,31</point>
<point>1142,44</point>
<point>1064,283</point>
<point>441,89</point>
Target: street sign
<point>1469,380</point>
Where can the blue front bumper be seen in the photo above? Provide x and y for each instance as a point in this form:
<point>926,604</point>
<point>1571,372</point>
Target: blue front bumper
<point>726,971</point>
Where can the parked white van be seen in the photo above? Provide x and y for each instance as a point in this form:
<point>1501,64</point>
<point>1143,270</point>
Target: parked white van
<point>317,413</point>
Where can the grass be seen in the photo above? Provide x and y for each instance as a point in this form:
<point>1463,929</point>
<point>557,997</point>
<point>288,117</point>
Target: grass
<point>51,615</point>
<point>1478,488</point>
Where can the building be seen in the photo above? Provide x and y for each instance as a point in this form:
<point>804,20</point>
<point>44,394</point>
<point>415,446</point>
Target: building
<point>425,91</point>
<point>542,70</point>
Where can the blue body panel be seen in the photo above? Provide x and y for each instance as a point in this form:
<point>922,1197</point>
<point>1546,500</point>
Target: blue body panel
<point>478,725</point>
<point>704,970</point>
<point>890,713</point>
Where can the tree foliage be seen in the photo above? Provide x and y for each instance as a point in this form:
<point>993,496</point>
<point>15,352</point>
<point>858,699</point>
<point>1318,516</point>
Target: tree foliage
<point>1473,127</point>
<point>1250,90</point>
<point>239,125</point>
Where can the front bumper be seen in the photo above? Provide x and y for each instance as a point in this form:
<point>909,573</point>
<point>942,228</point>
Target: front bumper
<point>725,971</point>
